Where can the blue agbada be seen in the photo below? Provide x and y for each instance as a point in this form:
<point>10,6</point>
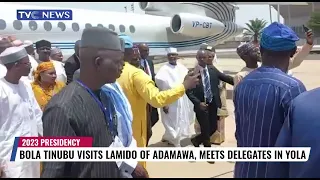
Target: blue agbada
<point>262,100</point>
<point>278,37</point>
<point>301,129</point>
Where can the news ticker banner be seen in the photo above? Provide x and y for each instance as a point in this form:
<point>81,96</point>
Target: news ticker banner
<point>79,149</point>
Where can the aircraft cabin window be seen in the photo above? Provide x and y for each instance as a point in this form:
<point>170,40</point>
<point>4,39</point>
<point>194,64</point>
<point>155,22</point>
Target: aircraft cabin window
<point>122,28</point>
<point>17,25</point>
<point>33,25</point>
<point>100,25</point>
<point>75,27</point>
<point>47,26</point>
<point>62,26</point>
<point>111,27</point>
<point>88,25</point>
<point>132,29</point>
<point>3,24</point>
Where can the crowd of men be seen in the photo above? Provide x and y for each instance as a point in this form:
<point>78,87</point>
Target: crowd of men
<point>108,90</point>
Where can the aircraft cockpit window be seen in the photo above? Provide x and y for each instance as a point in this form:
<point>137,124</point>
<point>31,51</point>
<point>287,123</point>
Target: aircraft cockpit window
<point>122,28</point>
<point>47,26</point>
<point>75,27</point>
<point>87,25</point>
<point>3,24</point>
<point>33,25</point>
<point>132,29</point>
<point>17,25</point>
<point>62,26</point>
<point>100,25</point>
<point>111,27</point>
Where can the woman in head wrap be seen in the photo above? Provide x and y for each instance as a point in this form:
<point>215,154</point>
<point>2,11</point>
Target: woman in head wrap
<point>45,85</point>
<point>56,54</point>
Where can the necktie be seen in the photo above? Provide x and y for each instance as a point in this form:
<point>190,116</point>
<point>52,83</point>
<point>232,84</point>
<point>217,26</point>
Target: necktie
<point>145,66</point>
<point>207,86</point>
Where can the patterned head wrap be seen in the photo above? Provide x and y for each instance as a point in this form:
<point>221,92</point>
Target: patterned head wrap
<point>278,37</point>
<point>44,66</point>
<point>245,49</point>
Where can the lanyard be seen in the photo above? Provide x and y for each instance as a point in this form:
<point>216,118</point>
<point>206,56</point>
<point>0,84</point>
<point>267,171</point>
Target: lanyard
<point>106,111</point>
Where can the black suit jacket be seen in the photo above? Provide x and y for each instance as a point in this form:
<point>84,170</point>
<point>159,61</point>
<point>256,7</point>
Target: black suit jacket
<point>154,112</point>
<point>71,65</point>
<point>151,66</point>
<point>196,95</point>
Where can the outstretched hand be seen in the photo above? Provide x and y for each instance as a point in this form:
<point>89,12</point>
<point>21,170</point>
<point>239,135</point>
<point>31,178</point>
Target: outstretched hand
<point>191,80</point>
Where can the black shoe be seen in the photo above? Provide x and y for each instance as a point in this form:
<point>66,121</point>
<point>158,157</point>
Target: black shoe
<point>163,140</point>
<point>195,143</point>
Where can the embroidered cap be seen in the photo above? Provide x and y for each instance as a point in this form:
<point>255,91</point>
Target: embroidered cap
<point>13,54</point>
<point>172,50</point>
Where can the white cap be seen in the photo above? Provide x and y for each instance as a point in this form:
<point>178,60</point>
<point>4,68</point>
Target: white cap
<point>172,50</point>
<point>55,50</point>
<point>27,43</point>
<point>13,54</point>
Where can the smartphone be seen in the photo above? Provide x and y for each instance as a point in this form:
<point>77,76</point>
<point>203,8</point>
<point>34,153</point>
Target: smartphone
<point>306,29</point>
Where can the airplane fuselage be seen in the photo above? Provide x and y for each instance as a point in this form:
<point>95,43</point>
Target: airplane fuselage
<point>156,31</point>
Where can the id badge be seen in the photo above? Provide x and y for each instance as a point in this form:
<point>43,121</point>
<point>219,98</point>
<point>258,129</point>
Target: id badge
<point>116,143</point>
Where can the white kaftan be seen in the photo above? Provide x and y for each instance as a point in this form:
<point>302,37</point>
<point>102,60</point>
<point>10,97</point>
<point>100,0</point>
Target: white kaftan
<point>180,116</point>
<point>20,116</point>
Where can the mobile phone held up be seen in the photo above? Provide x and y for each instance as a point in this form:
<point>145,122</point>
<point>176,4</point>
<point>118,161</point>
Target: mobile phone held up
<point>306,29</point>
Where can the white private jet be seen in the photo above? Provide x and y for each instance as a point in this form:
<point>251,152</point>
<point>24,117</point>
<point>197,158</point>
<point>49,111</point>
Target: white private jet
<point>191,24</point>
<point>184,25</point>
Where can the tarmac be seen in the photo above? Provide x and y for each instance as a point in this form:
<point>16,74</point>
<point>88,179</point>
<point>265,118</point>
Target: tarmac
<point>306,72</point>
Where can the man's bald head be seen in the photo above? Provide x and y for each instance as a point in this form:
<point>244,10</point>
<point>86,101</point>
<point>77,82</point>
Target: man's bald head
<point>144,50</point>
<point>201,52</point>
<point>202,57</point>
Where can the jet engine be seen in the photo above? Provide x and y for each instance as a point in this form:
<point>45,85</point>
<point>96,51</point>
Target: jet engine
<point>195,25</point>
<point>148,6</point>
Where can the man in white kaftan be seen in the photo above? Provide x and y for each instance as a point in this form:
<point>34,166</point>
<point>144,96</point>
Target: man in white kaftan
<point>34,63</point>
<point>20,114</point>
<point>178,116</point>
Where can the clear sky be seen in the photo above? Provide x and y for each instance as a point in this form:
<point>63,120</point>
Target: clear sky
<point>243,15</point>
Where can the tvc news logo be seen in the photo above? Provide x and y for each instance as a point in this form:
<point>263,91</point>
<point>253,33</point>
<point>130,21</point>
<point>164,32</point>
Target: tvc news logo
<point>44,14</point>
